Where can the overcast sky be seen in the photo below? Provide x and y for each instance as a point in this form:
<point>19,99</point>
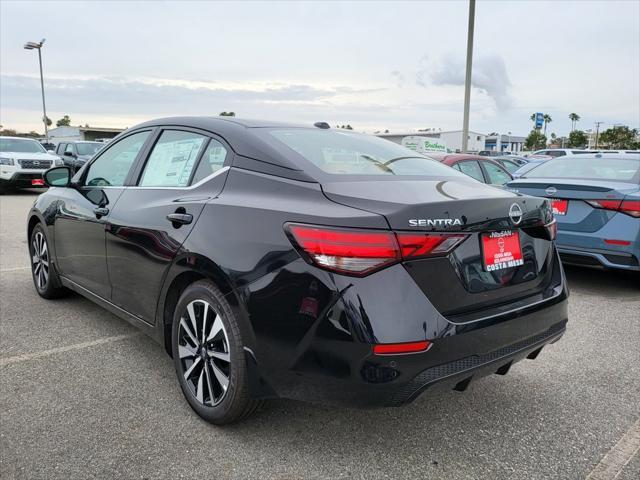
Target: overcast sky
<point>374,65</point>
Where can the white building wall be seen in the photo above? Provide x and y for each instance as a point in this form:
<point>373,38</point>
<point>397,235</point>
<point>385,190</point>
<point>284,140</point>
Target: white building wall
<point>454,140</point>
<point>61,134</point>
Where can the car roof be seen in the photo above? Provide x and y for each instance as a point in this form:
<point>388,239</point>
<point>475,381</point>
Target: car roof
<point>602,155</point>
<point>244,138</point>
<point>219,122</point>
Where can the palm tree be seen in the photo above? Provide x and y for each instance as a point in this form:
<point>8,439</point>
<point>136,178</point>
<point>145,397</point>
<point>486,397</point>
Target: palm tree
<point>575,118</point>
<point>547,119</point>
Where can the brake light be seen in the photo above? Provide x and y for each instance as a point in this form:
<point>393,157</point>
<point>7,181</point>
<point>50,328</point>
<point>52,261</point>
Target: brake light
<point>631,207</point>
<point>400,348</point>
<point>605,204</point>
<point>359,252</point>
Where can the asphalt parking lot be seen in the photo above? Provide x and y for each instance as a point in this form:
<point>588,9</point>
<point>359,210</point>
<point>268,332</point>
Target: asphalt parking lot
<point>83,395</point>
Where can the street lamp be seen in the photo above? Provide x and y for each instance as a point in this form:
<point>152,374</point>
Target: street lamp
<point>38,46</point>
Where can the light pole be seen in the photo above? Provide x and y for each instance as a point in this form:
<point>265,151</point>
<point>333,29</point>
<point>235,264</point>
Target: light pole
<point>38,46</point>
<point>467,79</point>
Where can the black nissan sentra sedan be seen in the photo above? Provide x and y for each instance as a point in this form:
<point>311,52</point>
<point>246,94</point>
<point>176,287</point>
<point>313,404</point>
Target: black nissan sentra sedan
<point>275,260</point>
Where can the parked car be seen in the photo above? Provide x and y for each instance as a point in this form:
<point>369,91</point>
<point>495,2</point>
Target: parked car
<point>48,146</point>
<point>511,163</point>
<point>533,162</point>
<point>76,154</point>
<point>22,163</point>
<point>484,169</point>
<point>276,260</point>
<point>596,201</point>
<point>560,152</point>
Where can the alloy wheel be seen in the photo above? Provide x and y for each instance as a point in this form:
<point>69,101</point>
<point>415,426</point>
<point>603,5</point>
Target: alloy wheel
<point>40,260</point>
<point>203,347</point>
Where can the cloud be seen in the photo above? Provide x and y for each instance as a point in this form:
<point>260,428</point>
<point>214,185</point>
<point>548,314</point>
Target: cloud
<point>489,74</point>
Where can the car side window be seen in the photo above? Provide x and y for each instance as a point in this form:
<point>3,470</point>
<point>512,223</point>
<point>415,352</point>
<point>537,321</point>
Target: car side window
<point>112,167</point>
<point>556,154</point>
<point>172,159</point>
<point>69,148</point>
<point>497,175</point>
<point>61,147</point>
<point>471,168</point>
<point>510,166</point>
<point>212,160</point>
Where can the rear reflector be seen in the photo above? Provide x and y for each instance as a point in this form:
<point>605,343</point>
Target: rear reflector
<point>400,348</point>
<point>612,241</point>
<point>629,207</point>
<point>359,252</point>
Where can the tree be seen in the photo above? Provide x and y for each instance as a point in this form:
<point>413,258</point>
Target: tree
<point>64,121</point>
<point>620,137</point>
<point>547,119</point>
<point>577,139</point>
<point>575,118</point>
<point>554,138</point>
<point>49,122</point>
<point>535,140</point>
<point>227,114</point>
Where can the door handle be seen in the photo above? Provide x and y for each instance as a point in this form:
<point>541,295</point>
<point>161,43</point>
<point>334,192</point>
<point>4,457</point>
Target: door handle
<point>178,219</point>
<point>101,211</point>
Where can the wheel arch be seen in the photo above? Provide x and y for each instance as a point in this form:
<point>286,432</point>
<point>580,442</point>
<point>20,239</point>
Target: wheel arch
<point>184,271</point>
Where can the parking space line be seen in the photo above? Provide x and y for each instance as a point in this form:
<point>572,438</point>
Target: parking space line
<point>45,353</point>
<point>619,456</point>
<point>14,269</point>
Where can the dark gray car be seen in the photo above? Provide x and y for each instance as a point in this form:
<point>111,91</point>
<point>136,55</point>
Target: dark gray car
<point>76,154</point>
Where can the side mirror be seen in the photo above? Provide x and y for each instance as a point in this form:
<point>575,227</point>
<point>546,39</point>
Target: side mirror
<point>69,154</point>
<point>57,177</point>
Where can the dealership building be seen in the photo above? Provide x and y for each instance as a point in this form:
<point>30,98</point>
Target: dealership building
<point>508,143</point>
<point>72,134</point>
<point>452,139</point>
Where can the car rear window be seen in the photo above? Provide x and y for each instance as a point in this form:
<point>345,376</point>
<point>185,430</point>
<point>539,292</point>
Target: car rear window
<point>615,169</point>
<point>346,153</point>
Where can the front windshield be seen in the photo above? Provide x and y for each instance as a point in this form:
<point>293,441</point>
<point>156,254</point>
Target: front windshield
<point>88,148</point>
<point>20,145</point>
<point>347,153</point>
<point>620,169</point>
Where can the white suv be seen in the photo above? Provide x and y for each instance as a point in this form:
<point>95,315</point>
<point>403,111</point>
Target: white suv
<point>22,163</point>
<point>560,152</point>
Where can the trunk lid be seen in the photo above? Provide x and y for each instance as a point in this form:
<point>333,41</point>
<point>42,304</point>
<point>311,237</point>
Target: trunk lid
<point>459,285</point>
<point>580,216</point>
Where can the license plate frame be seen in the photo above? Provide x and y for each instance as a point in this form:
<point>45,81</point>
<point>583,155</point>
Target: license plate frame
<point>559,206</point>
<point>501,250</point>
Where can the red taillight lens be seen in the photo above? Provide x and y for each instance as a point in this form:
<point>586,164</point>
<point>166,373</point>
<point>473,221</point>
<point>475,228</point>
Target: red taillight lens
<point>416,245</point>
<point>605,204</point>
<point>630,207</point>
<point>359,252</point>
<point>401,348</point>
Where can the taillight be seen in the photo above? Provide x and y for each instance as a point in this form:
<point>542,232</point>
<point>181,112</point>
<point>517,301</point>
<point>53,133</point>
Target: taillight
<point>359,252</point>
<point>630,207</point>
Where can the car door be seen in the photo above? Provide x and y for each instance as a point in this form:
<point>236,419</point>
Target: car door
<point>184,170</point>
<point>83,214</point>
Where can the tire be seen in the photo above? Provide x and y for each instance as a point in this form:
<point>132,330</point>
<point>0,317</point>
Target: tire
<point>210,355</point>
<point>45,277</point>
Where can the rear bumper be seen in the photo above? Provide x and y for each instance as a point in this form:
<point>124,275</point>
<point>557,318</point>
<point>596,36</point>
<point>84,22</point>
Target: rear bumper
<point>330,360</point>
<point>597,258</point>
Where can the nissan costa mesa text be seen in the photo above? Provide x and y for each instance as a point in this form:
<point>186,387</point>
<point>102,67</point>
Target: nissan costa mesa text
<point>274,260</point>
